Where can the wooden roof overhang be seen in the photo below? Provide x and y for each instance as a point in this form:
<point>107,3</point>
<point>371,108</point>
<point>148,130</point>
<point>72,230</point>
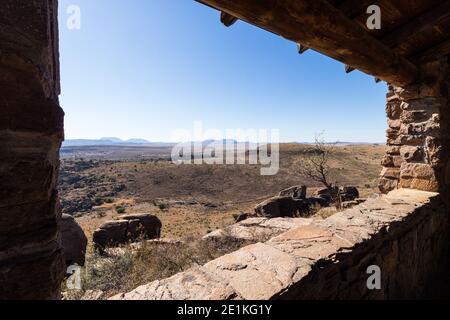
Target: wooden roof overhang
<point>412,31</point>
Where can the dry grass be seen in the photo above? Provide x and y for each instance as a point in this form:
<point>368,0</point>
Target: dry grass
<point>326,212</point>
<point>153,186</point>
<point>133,266</point>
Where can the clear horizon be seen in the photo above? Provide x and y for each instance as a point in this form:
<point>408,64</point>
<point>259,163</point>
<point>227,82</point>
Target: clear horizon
<point>142,69</point>
<point>239,141</point>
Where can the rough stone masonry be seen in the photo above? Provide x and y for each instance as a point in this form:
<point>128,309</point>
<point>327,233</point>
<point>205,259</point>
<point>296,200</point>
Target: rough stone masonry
<point>417,136</point>
<point>31,130</point>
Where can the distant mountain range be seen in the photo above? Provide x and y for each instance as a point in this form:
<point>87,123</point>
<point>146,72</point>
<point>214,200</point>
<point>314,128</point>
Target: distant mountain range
<point>345,143</point>
<point>113,141</point>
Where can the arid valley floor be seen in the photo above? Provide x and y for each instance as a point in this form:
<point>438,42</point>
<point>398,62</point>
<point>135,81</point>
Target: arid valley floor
<point>191,199</point>
<point>99,183</point>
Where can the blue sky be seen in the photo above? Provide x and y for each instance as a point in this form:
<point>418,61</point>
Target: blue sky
<point>143,68</point>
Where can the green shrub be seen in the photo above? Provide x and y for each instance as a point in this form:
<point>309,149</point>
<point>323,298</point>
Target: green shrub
<point>108,200</point>
<point>98,201</point>
<point>162,206</point>
<point>120,209</point>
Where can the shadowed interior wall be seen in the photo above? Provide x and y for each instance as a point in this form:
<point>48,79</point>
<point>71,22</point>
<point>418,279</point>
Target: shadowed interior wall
<point>31,131</point>
<point>417,137</point>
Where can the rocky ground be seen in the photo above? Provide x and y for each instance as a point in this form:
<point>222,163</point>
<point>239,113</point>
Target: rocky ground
<point>194,199</point>
<point>190,200</point>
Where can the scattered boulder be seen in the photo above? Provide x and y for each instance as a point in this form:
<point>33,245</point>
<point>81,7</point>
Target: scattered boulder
<point>323,201</point>
<point>327,192</point>
<point>277,207</point>
<point>111,233</point>
<point>310,205</point>
<point>292,202</point>
<point>148,225</point>
<point>349,193</point>
<point>130,228</point>
<point>258,229</point>
<point>73,241</point>
<point>240,217</point>
<point>289,207</point>
<point>296,192</point>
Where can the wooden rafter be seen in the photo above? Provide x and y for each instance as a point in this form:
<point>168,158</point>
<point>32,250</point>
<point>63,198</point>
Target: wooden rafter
<point>227,19</point>
<point>440,49</point>
<point>353,8</point>
<point>349,69</point>
<point>301,48</point>
<point>428,20</point>
<point>322,27</point>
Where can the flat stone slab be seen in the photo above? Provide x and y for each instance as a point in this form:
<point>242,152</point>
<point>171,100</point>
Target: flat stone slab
<point>193,284</point>
<point>266,270</point>
<point>258,229</point>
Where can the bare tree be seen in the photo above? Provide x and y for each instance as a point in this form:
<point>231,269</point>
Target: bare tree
<point>316,164</point>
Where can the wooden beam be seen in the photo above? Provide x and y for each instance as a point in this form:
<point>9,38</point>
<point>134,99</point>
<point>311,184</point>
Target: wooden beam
<point>438,50</point>
<point>429,20</point>
<point>227,19</point>
<point>349,69</point>
<point>353,8</point>
<point>320,26</point>
<point>301,48</point>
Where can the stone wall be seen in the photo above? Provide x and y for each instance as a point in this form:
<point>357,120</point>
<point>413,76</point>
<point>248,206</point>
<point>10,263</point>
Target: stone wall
<point>417,136</point>
<point>405,233</point>
<point>31,131</point>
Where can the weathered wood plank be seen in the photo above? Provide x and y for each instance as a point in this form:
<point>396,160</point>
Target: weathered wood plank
<point>428,20</point>
<point>436,51</point>
<point>353,8</point>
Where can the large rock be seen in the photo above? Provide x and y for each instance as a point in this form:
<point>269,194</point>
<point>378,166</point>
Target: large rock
<point>241,217</point>
<point>258,229</point>
<point>327,193</point>
<point>349,193</point>
<point>277,207</point>
<point>130,228</point>
<point>74,241</point>
<point>111,233</point>
<point>150,225</point>
<point>309,203</point>
<point>296,192</point>
<point>323,197</point>
<point>346,193</point>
